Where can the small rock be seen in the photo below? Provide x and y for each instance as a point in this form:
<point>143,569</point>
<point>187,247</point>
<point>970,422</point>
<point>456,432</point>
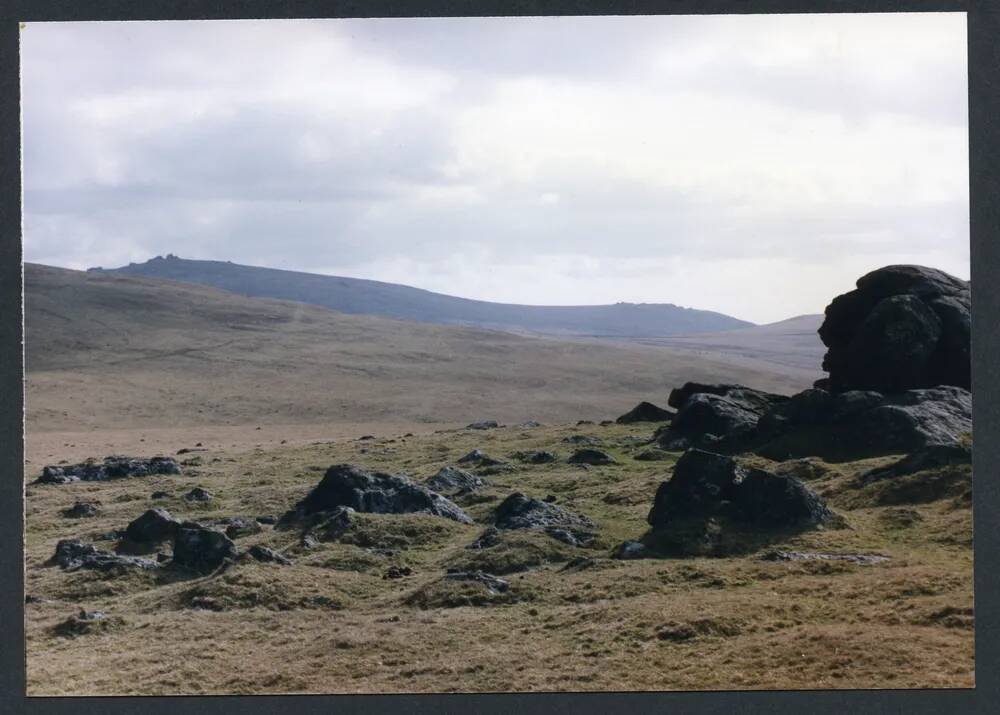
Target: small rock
<point>198,494</point>
<point>581,439</point>
<point>652,455</point>
<point>631,550</point>
<point>152,526</point>
<point>160,495</point>
<point>398,572</point>
<point>535,457</point>
<point>73,554</point>
<point>590,456</point>
<point>81,510</point>
<point>484,424</point>
<point>492,583</point>
<point>201,549</point>
<point>237,527</point>
<point>267,519</point>
<point>451,479</point>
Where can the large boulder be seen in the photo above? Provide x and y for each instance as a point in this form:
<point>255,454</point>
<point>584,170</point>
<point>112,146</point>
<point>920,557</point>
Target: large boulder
<point>202,549</point>
<point>709,485</point>
<point>708,414</point>
<point>73,554</point>
<point>902,328</point>
<point>346,485</point>
<point>452,479</point>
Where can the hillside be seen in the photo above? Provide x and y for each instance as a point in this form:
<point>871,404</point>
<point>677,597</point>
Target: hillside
<point>793,342</point>
<point>357,296</point>
<point>108,350</point>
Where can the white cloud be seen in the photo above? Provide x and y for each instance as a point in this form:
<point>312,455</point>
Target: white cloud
<point>698,160</point>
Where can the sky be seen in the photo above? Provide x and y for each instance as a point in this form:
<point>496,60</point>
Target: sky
<point>753,165</point>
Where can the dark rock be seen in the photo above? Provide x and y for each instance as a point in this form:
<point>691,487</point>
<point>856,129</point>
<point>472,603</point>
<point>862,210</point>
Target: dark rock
<point>398,572</point>
<point>550,499</point>
<point>267,519</point>
<point>376,492</point>
<point>113,467</point>
<point>82,510</point>
<point>198,494</point>
<point>479,458</point>
<point>73,554</point>
<point>933,457</point>
<point>704,414</point>
<point>902,328</point>
<point>452,479</point>
<point>745,397</point>
<point>152,526</point>
<point>485,424</point>
<point>584,422</point>
<point>521,512</point>
<point>590,456</point>
<point>83,623</point>
<point>160,495</point>
<point>266,555</point>
<point>645,412</point>
<point>188,450</point>
<point>580,563</point>
<point>535,457</point>
<point>201,549</point>
<point>366,437</point>
<point>705,484</point>
<point>528,424</point>
<point>492,583</point>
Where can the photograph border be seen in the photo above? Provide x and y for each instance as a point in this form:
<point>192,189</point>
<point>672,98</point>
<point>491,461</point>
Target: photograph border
<point>984,175</point>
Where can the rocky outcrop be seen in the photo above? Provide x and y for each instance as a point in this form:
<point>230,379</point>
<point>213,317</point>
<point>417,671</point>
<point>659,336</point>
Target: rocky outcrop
<point>933,457</point>
<point>865,423</point>
<point>645,412</point>
<point>708,485</point>
<point>709,413</point>
<point>522,512</point>
<point>113,467</point>
<point>346,485</point>
<point>902,328</point>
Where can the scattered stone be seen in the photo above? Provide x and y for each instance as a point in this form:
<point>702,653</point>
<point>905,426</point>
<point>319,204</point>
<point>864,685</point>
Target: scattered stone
<point>398,572</point>
<point>365,437</point>
<point>631,550</point>
<point>266,555</point>
<point>645,412</point>
<point>902,328</point>
<point>113,467</point>
<point>202,549</point>
<point>82,510</point>
<point>198,494</point>
<point>188,450</point>
<point>492,583</point>
<point>350,486</point>
<point>535,457</point>
<point>160,495</point>
<point>485,424</point>
<point>590,456</point>
<point>584,422</point>
<point>521,512</point>
<point>705,484</point>
<point>152,526</point>
<point>863,559</point>
<point>73,554</point>
<point>606,423</point>
<point>452,479</point>
<point>528,424</point>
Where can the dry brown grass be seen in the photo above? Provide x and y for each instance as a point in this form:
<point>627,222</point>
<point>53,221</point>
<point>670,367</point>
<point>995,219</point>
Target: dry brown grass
<point>332,623</point>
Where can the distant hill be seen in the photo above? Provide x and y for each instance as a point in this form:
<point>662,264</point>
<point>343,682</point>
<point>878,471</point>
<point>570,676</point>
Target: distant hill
<point>106,350</point>
<point>367,297</point>
<point>793,342</point>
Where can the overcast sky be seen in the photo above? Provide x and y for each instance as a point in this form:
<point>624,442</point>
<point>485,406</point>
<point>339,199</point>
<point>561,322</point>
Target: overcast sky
<point>755,165</point>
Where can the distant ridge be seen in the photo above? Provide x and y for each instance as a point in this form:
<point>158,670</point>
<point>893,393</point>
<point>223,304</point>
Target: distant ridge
<point>368,297</point>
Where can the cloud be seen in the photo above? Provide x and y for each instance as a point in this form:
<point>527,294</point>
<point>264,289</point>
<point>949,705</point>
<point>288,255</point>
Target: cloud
<point>698,160</point>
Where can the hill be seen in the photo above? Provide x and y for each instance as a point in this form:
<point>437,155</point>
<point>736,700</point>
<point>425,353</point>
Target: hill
<point>358,296</point>
<point>106,350</point>
<point>793,342</point>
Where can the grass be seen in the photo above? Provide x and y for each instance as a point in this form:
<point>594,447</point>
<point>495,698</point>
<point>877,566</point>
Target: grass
<point>334,622</point>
